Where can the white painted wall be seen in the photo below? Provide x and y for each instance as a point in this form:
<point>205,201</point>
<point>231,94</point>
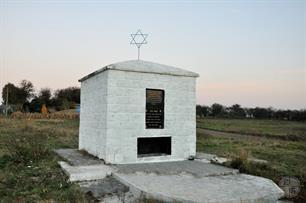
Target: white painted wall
<point>113,115</point>
<point>92,132</point>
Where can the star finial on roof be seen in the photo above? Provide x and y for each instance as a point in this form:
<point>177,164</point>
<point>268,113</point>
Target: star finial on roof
<point>139,39</point>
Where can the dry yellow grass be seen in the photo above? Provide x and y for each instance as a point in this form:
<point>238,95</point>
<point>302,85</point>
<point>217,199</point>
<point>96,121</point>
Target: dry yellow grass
<point>57,115</point>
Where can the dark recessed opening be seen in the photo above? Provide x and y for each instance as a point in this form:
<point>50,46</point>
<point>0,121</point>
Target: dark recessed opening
<point>153,146</point>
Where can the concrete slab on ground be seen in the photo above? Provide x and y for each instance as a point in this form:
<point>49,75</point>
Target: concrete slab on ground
<point>106,186</point>
<point>213,189</point>
<point>107,190</point>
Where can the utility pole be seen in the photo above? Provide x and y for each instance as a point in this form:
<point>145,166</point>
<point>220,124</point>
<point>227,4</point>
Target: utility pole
<point>6,105</point>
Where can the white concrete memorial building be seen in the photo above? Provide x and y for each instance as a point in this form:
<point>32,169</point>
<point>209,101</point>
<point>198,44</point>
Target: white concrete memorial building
<point>138,111</point>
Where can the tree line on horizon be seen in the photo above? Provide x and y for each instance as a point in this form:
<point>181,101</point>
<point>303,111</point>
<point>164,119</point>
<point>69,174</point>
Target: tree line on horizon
<point>237,112</point>
<point>22,97</point>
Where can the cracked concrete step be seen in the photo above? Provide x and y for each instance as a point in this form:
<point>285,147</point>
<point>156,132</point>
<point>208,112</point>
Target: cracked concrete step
<point>82,173</point>
<point>107,190</point>
<point>76,158</point>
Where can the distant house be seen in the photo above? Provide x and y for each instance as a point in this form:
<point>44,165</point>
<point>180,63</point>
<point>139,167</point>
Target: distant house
<point>10,109</point>
<point>2,109</point>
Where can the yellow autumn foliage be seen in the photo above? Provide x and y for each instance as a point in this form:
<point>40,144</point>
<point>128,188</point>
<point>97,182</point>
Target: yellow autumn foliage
<point>44,109</point>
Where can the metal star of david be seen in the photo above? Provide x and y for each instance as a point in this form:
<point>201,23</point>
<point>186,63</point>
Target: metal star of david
<point>139,39</point>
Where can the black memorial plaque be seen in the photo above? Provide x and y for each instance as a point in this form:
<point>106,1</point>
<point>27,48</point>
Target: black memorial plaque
<point>154,108</point>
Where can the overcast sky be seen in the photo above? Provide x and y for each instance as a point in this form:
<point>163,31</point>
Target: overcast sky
<point>246,52</point>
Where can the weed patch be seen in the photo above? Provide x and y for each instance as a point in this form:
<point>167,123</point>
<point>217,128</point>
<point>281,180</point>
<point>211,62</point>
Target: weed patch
<point>27,147</point>
<point>29,171</point>
<point>33,182</point>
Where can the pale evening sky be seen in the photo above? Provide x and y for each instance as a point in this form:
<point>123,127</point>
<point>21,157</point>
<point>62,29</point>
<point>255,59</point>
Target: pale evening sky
<point>246,52</point>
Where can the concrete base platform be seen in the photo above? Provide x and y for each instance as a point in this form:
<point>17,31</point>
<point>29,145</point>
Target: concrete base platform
<point>196,181</point>
<point>181,181</point>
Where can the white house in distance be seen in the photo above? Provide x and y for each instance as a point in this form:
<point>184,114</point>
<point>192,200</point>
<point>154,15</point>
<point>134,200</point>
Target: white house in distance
<point>138,111</point>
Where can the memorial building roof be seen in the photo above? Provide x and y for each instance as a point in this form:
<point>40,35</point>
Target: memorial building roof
<point>143,67</point>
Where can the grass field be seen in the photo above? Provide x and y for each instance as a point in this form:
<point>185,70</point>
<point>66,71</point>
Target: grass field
<point>29,171</point>
<point>270,128</point>
<point>285,157</point>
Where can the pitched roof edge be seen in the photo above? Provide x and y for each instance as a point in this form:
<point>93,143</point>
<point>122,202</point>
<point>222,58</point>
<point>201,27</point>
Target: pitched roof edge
<point>114,67</point>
